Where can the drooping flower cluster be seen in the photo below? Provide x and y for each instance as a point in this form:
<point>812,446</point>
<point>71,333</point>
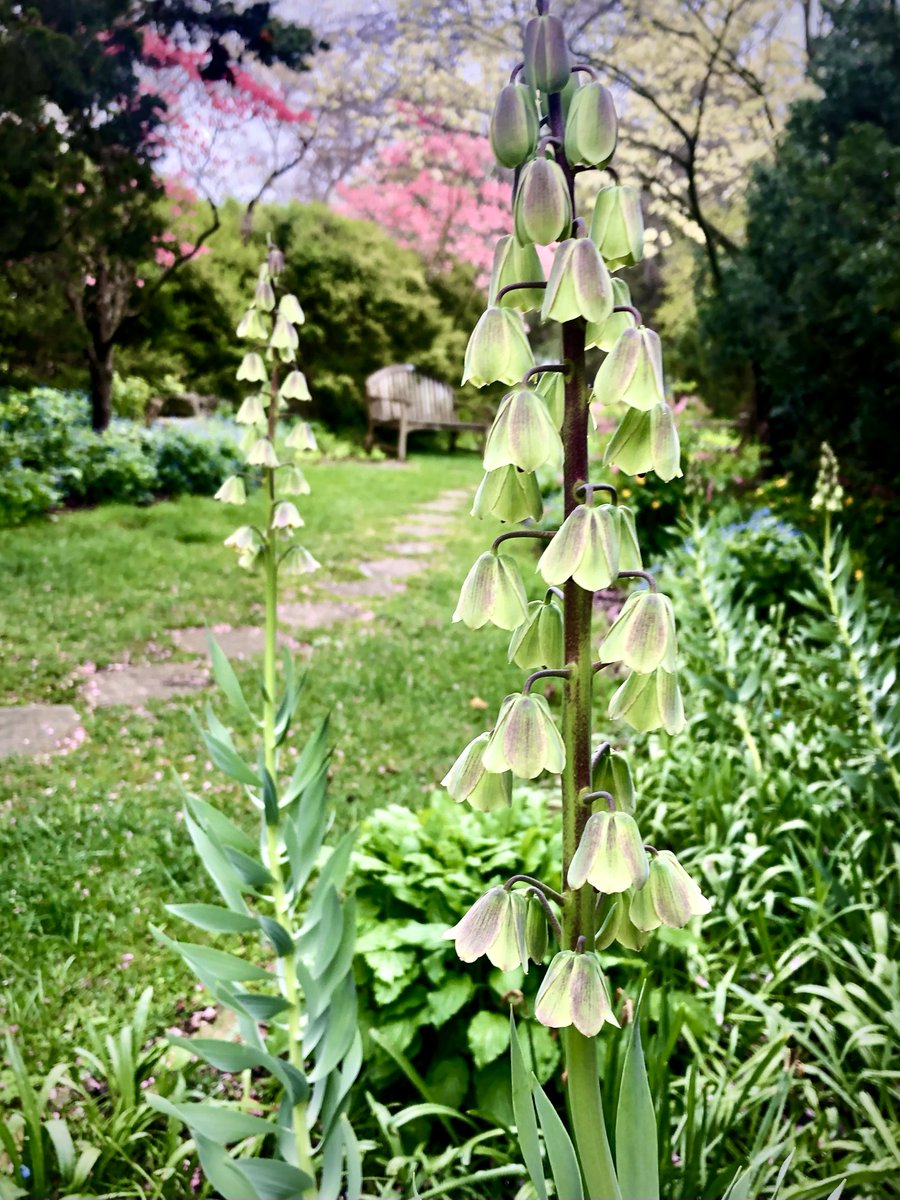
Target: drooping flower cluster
<point>271,322</point>
<point>638,887</point>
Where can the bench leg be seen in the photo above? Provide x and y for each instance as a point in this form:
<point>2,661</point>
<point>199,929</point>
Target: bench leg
<point>370,438</point>
<point>453,437</point>
<point>401,442</point>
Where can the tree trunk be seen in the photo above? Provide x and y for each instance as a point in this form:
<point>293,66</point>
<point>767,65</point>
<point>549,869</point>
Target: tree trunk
<point>101,368</point>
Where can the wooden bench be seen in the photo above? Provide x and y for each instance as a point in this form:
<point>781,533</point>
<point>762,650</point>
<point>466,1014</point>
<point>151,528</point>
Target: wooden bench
<point>398,397</point>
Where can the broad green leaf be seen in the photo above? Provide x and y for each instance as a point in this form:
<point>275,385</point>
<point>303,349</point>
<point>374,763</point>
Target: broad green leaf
<point>213,918</point>
<point>637,1153</point>
<point>234,1057</point>
<point>213,1121</point>
<point>274,1180</point>
<point>560,1151</point>
<point>523,1110</point>
<point>488,1037</point>
<point>340,1032</point>
<point>449,998</point>
<point>221,1171</point>
<point>224,675</point>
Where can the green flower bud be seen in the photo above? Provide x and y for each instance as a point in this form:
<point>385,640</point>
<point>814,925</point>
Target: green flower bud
<point>232,491</point>
<point>591,126</point>
<point>646,441</point>
<point>492,592</point>
<point>629,548</point>
<point>264,296</point>
<point>509,495</point>
<point>604,335</point>
<point>294,387</point>
<point>522,434</point>
<point>617,227</point>
<point>286,516</point>
<point>274,261</point>
<point>632,372</point>
<point>552,386</point>
<point>284,335</point>
<point>244,539</point>
<point>643,634</point>
<point>495,926</point>
<point>514,129</point>
<point>616,924</point>
<point>669,897</point>
<point>252,368</point>
<point>610,856</point>
<point>297,560</point>
<point>262,454</point>
<point>579,284</point>
<point>547,64</point>
<point>468,780</point>
<point>537,934</point>
<point>542,208</point>
<point>648,702</point>
<point>525,739</point>
<point>612,774</point>
<point>538,642</point>
<point>498,350</point>
<point>293,482</point>
<point>251,411</point>
<point>252,325</point>
<point>574,992</point>
<point>301,437</point>
<point>585,549</point>
<point>289,310</point>
<point>515,263</point>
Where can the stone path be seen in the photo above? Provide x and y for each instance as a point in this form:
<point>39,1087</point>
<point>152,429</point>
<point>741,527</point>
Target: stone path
<point>39,729</point>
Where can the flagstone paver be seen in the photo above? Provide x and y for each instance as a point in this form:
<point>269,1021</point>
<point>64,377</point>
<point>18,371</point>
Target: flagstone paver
<point>239,642</point>
<point>320,614</point>
<point>443,504</point>
<point>394,568</point>
<point>378,585</point>
<point>132,685</point>
<point>417,530</point>
<point>38,729</point>
<point>411,548</point>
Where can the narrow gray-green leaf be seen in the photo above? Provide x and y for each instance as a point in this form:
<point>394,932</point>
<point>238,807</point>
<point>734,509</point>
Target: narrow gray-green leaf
<point>223,673</point>
<point>274,1180</point>
<point>560,1151</point>
<point>523,1111</point>
<point>213,918</point>
<point>637,1151</point>
<point>214,1121</point>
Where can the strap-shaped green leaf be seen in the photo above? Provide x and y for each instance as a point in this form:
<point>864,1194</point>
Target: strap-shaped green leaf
<point>341,1030</point>
<point>219,1168</point>
<point>213,918</point>
<point>277,935</point>
<point>211,964</point>
<point>274,1180</point>
<point>221,1125</point>
<point>352,1161</point>
<point>332,1162</point>
<point>523,1111</point>
<point>229,761</point>
<point>312,760</point>
<point>217,866</point>
<point>217,825</point>
<point>234,1057</point>
<point>637,1152</point>
<point>560,1151</point>
<point>223,673</point>
<point>58,1132</point>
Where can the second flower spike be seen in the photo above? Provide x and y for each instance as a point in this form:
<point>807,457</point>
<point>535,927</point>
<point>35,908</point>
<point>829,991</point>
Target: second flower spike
<point>585,549</point>
<point>493,593</point>
<point>525,739</point>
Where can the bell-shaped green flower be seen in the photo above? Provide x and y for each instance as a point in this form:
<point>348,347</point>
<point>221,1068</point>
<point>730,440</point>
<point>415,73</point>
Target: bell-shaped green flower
<point>252,368</point>
<point>579,284</point>
<point>669,897</point>
<point>605,334</point>
<point>522,434</point>
<point>617,227</point>
<point>616,924</point>
<point>301,437</point>
<point>274,261</point>
<point>525,739</point>
<point>293,482</point>
<point>251,411</point>
<point>495,926</point>
<point>514,129</point>
<point>629,547</point>
<point>547,64</point>
<point>509,495</point>
<point>232,491</point>
<point>612,774</point>
<point>515,263</point>
<point>591,126</point>
<point>262,454</point>
<point>492,592</point>
<point>643,634</point>
<point>538,642</point>
<point>468,780</point>
<point>610,856</point>
<point>286,516</point>
<point>543,207</point>
<point>284,335</point>
<point>552,386</point>
<point>289,310</point>
<point>574,992</point>
<point>297,560</point>
<point>294,387</point>
<point>252,325</point>
<point>537,935</point>
<point>645,441</point>
<point>647,702</point>
<point>245,538</point>
<point>498,349</point>
<point>264,296</point>
<point>632,372</point>
<point>585,549</point>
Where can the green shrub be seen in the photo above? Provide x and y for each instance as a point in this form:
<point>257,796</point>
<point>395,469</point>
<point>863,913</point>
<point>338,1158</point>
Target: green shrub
<point>193,461</point>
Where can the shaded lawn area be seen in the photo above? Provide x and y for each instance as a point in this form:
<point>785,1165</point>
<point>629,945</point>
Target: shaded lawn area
<point>91,841</point>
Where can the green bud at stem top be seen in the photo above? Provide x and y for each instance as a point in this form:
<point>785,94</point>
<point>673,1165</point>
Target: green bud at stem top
<point>547,63</point>
<point>542,208</point>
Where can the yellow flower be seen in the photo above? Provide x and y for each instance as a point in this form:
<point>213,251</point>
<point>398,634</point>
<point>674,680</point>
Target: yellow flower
<point>848,500</point>
<point>858,574</point>
<point>655,503</point>
<point>626,492</point>
<point>782,482</point>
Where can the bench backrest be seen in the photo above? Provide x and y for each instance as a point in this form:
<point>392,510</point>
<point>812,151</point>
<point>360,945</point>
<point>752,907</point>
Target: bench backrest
<point>400,386</point>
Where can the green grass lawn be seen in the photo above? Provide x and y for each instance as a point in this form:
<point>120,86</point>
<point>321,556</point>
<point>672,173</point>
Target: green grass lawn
<point>91,841</point>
